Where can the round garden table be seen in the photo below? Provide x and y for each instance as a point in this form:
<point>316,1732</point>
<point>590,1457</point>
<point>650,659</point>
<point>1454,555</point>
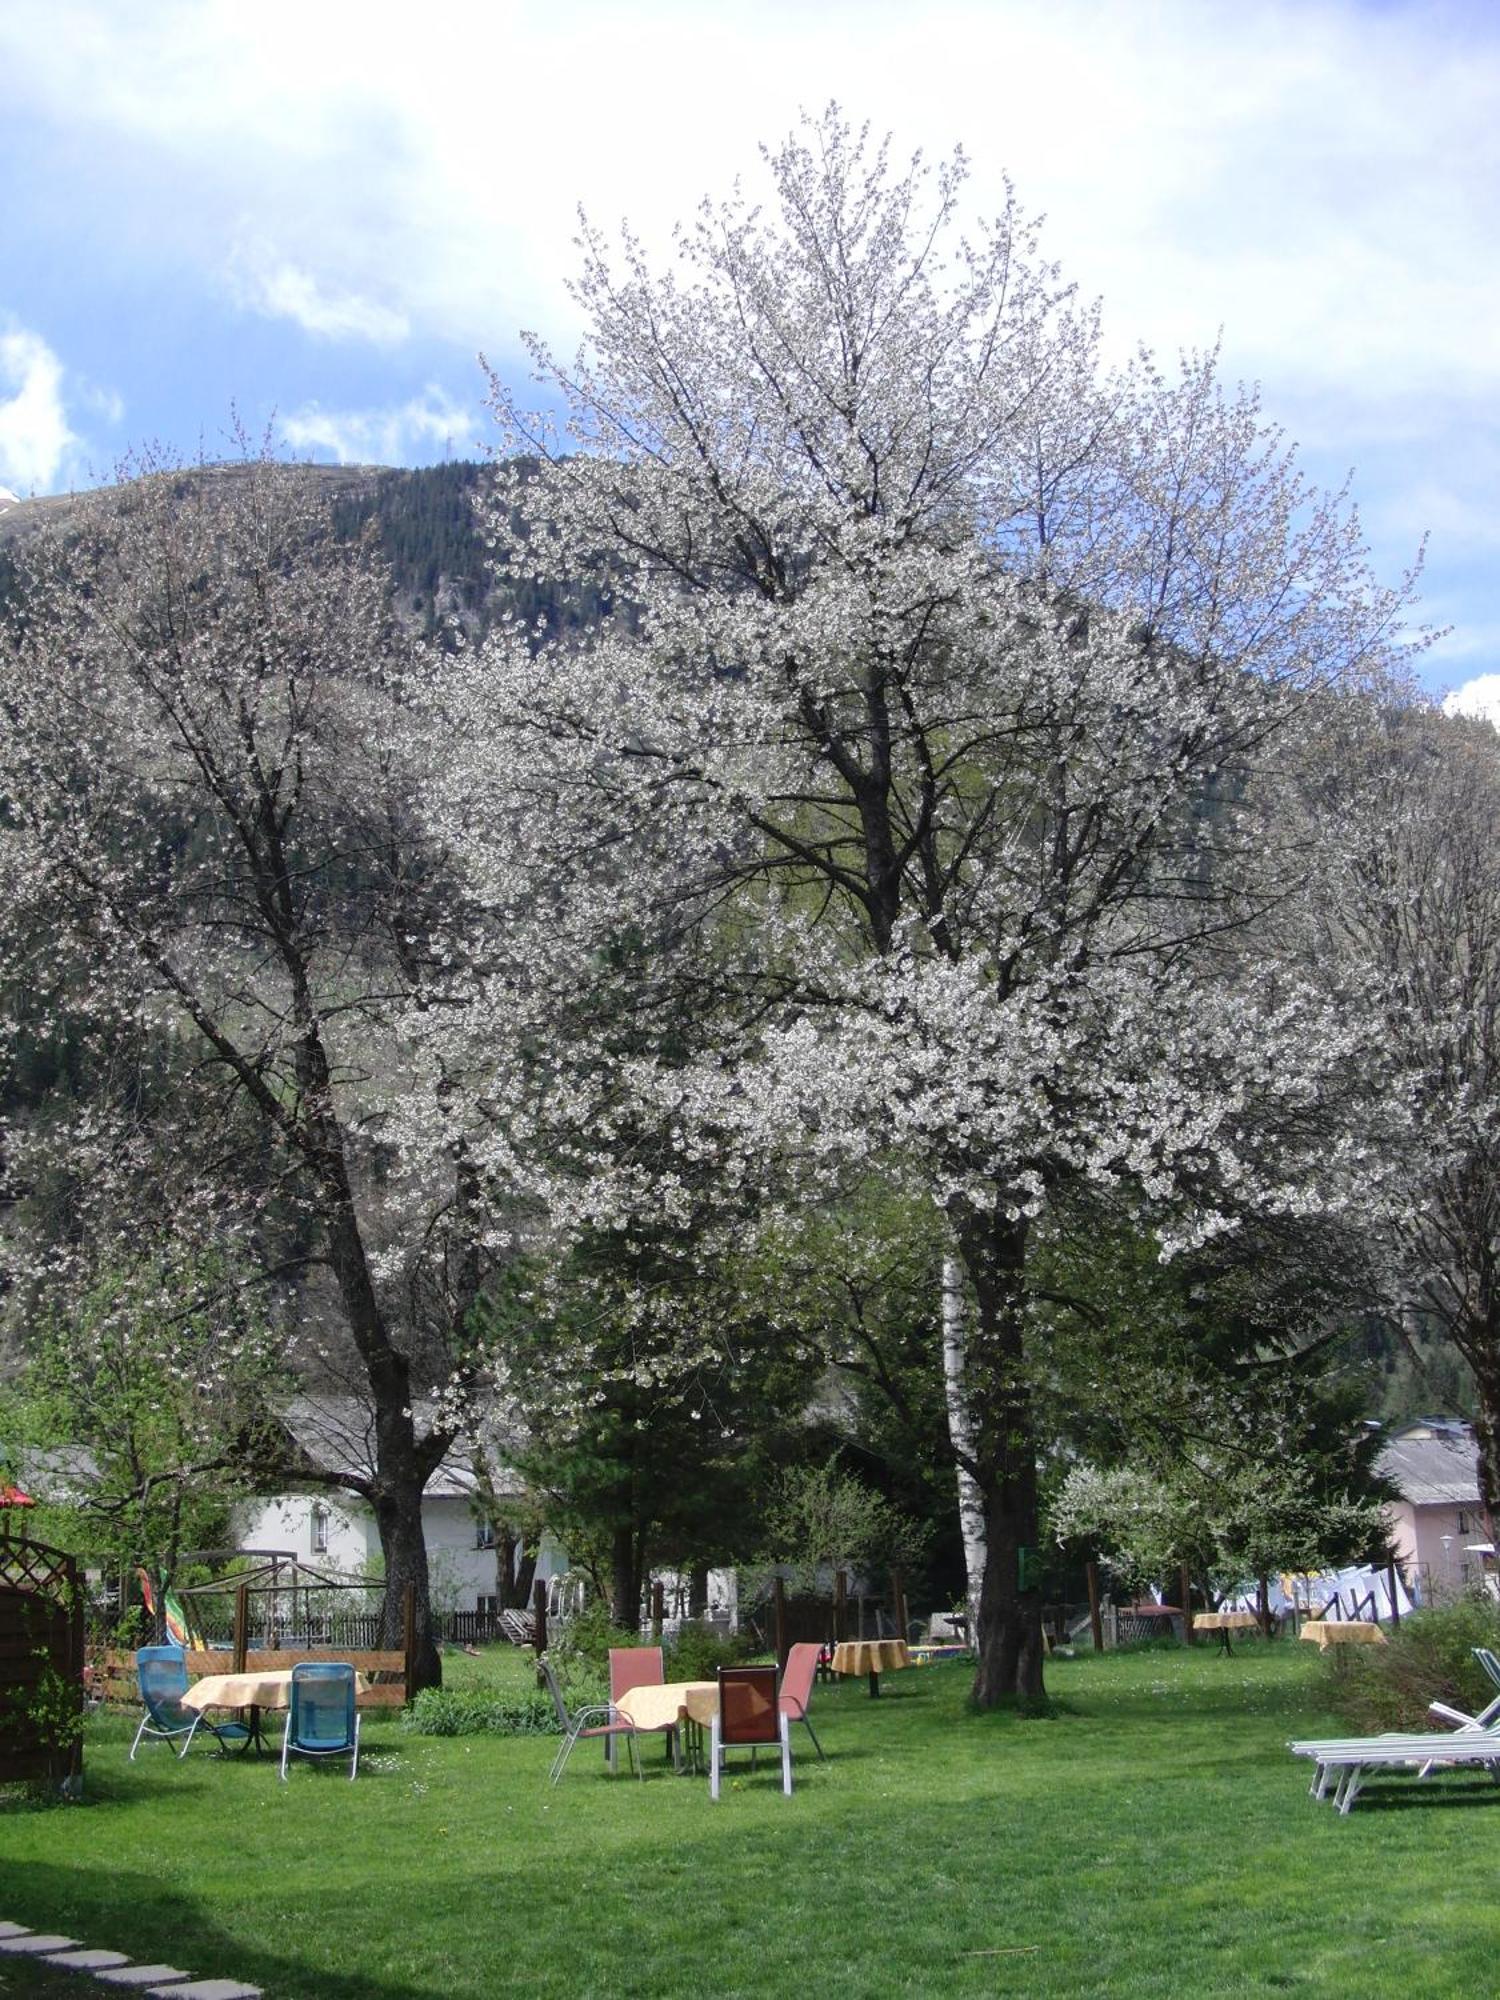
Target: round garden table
<point>870,1656</point>
<point>1325,1632</point>
<point>252,1691</point>
<point>1225,1622</point>
<point>689,1705</point>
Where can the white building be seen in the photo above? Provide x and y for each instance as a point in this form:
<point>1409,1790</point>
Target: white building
<point>335,1531</point>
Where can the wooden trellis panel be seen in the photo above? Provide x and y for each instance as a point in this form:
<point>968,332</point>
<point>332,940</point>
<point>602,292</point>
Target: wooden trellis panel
<point>41,1664</point>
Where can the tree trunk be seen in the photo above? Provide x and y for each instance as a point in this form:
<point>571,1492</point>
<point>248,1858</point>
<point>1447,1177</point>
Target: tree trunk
<point>961,1434</point>
<point>525,1574</point>
<point>398,1516</point>
<point>698,1591</point>
<point>515,1570</point>
<point>402,1464</point>
<point>1476,1334</point>
<point>625,1579</point>
<point>1010,1643</point>
<point>507,1546</point>
<point>1483,1355</point>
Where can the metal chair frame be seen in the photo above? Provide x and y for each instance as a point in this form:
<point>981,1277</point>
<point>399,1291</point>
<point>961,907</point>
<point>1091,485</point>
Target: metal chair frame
<point>165,1718</point>
<point>585,1723</point>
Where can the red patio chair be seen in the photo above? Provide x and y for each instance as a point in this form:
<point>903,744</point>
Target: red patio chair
<point>638,1667</point>
<point>749,1713</point>
<point>797,1686</point>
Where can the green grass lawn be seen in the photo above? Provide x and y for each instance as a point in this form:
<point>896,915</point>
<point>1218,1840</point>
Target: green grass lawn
<point>1151,1837</point>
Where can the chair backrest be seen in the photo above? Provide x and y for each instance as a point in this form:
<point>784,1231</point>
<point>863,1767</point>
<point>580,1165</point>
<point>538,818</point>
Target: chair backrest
<point>748,1711</point>
<point>798,1676</point>
<point>634,1667</point>
<point>565,1721</point>
<point>1488,1661</point>
<point>322,1704</point>
<point>162,1672</point>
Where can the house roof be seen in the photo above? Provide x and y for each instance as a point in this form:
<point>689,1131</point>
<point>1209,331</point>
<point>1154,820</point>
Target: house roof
<point>1432,1463</point>
<point>63,1474</point>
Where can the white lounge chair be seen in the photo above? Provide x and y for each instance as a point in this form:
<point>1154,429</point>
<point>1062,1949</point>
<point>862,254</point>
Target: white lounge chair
<point>1488,1715</point>
<point>1352,1756</point>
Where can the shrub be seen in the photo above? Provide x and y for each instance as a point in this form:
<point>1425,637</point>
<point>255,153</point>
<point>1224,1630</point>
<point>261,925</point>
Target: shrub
<point>477,1709</point>
<point>1430,1658</point>
<point>697,1652</point>
<point>579,1650</point>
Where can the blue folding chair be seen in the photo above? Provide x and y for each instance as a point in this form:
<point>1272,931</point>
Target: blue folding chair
<point>163,1678</point>
<point>322,1720</point>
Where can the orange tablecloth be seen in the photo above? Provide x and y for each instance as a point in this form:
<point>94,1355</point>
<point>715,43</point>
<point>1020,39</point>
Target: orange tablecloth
<point>1225,1621</point>
<point>870,1656</point>
<point>270,1690</point>
<point>667,1702</point>
<point>1342,1632</point>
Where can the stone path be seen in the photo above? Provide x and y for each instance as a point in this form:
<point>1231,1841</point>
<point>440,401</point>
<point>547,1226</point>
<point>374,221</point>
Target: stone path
<point>113,1968</point>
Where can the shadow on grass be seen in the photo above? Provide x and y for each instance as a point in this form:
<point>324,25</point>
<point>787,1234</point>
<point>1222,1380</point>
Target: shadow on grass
<point>141,1916</point>
<point>161,1775</point>
<point>1423,1796</point>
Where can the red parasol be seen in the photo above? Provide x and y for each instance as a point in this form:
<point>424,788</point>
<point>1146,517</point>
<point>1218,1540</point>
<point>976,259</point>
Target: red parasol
<point>12,1496</point>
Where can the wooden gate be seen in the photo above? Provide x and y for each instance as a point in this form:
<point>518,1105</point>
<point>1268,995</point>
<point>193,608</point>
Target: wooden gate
<point>41,1665</point>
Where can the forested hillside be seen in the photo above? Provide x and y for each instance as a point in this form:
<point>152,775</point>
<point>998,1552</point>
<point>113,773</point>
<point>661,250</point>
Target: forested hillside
<point>423,524</point>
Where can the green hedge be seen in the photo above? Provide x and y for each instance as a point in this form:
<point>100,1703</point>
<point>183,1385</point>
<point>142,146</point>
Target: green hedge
<point>1429,1658</point>
<point>697,1652</point>
<point>478,1710</point>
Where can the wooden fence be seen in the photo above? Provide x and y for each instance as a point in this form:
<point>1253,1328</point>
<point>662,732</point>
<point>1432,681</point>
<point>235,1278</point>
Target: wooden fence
<point>41,1665</point>
<point>390,1670</point>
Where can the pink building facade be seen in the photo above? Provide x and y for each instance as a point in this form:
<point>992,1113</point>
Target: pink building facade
<point>1437,1527</point>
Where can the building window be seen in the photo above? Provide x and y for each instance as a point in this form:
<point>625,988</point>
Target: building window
<point>487,1607</point>
<point>319,1529</point>
<point>1463,1522</point>
<point>484,1534</point>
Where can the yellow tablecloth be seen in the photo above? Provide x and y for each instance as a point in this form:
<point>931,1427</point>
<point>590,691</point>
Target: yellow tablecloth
<point>268,1690</point>
<point>1342,1632</point>
<point>870,1656</point>
<point>665,1704</point>
<point>1225,1621</point>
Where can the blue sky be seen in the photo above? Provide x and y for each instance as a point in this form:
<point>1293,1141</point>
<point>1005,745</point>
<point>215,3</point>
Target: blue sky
<point>323,210</point>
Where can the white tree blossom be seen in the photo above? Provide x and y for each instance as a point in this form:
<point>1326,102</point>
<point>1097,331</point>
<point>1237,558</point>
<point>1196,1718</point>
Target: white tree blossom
<point>215,883</point>
<point>930,752</point>
<point>1410,915</point>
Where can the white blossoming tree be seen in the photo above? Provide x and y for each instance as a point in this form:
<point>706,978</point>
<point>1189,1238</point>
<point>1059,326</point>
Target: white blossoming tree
<point>1411,916</point>
<point>928,751</point>
<point>217,888</point>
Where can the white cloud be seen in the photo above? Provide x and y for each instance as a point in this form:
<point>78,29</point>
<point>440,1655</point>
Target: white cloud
<point>35,436</point>
<point>1315,176</point>
<point>1479,697</point>
<point>105,403</point>
<point>391,436</point>
<point>283,290</point>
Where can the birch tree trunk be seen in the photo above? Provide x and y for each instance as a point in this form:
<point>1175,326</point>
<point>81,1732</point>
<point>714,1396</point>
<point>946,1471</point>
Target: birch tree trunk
<point>962,1435</point>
